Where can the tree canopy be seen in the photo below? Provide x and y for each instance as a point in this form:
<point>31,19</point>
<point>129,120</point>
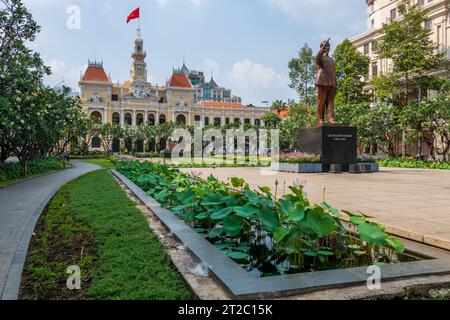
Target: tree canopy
<point>302,72</point>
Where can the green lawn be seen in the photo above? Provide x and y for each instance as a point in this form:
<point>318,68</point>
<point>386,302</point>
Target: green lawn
<point>104,163</point>
<point>128,260</point>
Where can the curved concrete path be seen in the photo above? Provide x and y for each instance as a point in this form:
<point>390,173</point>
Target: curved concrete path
<point>21,204</point>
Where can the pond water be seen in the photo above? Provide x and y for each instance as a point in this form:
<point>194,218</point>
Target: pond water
<point>264,259</point>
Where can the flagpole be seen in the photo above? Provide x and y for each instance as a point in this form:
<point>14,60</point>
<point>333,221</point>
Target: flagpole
<point>139,20</point>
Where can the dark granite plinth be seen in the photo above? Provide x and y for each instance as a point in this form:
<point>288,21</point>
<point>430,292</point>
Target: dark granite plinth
<point>335,144</point>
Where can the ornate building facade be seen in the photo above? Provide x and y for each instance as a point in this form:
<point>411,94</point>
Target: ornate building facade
<point>137,101</point>
<point>207,90</point>
<point>384,11</point>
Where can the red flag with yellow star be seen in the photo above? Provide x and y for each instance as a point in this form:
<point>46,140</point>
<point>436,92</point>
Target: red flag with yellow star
<point>133,15</point>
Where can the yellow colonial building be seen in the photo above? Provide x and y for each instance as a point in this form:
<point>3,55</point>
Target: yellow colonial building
<point>137,101</point>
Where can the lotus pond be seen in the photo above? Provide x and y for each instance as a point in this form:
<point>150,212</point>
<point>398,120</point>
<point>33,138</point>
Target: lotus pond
<point>265,233</point>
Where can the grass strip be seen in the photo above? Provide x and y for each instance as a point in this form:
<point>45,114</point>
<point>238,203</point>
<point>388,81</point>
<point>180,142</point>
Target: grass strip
<point>129,262</point>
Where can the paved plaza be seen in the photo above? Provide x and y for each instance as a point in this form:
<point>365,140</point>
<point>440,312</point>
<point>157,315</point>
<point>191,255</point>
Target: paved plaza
<point>20,207</point>
<point>411,203</point>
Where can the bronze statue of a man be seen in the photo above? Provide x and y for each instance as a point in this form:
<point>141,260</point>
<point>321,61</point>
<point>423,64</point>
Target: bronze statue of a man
<point>325,83</point>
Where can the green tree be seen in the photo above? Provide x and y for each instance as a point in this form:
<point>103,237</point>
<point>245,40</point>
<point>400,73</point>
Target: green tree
<point>148,133</point>
<point>35,120</point>
<point>279,106</point>
<point>302,73</point>
<point>21,71</point>
<point>427,120</point>
<point>85,130</point>
<point>108,132</point>
<point>379,126</point>
<point>163,132</point>
<point>5,146</point>
<point>300,116</point>
<point>271,120</point>
<point>407,43</point>
<point>347,112</point>
<point>351,67</point>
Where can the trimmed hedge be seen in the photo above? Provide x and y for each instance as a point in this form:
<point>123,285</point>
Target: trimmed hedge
<point>415,164</point>
<point>13,170</point>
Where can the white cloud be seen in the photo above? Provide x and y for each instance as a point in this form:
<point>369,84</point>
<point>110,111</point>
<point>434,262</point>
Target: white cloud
<point>39,2</point>
<point>61,72</point>
<point>248,74</point>
<point>255,83</point>
<point>195,3</point>
<point>298,8</point>
<point>162,3</point>
<point>320,13</point>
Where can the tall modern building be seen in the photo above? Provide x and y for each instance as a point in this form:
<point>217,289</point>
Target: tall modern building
<point>207,90</point>
<point>384,11</point>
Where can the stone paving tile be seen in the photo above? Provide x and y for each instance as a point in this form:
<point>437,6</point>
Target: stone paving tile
<point>421,226</point>
<point>445,221</point>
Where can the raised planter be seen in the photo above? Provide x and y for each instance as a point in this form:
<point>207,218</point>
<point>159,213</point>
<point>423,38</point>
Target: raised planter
<point>318,167</point>
<point>243,285</point>
<point>369,167</point>
<point>298,167</point>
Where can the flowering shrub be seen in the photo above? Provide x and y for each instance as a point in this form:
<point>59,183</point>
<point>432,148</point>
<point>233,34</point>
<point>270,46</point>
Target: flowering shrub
<point>366,158</point>
<point>13,170</point>
<point>299,157</point>
<point>415,164</point>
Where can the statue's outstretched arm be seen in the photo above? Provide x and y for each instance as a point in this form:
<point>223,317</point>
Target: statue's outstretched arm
<point>319,58</point>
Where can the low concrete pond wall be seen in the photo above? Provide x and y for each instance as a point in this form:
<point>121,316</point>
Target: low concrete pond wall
<point>318,167</point>
<point>243,285</point>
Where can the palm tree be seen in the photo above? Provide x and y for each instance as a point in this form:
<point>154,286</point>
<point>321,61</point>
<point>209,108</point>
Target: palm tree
<point>279,106</point>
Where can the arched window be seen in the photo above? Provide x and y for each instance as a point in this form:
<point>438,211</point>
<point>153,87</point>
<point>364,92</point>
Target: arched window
<point>257,122</point>
<point>129,144</point>
<point>116,145</point>
<point>206,121</point>
<point>152,145</point>
<point>115,118</point>
<point>96,116</point>
<point>151,119</point>
<point>162,119</point>
<point>96,143</point>
<point>139,146</point>
<point>181,120</point>
<point>128,119</point>
<point>217,122</point>
<point>139,119</point>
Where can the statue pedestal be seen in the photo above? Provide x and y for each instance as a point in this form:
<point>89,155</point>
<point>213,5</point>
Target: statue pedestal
<point>336,144</point>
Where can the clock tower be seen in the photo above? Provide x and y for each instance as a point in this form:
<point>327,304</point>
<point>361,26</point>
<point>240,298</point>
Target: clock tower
<point>138,72</point>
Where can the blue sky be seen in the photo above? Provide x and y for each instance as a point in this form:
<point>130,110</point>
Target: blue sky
<point>246,44</point>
